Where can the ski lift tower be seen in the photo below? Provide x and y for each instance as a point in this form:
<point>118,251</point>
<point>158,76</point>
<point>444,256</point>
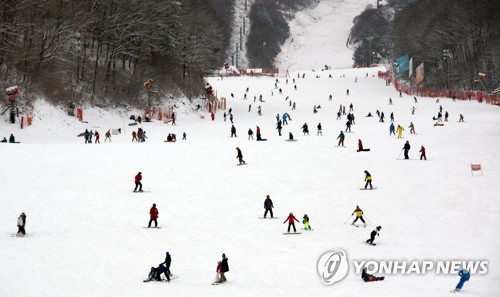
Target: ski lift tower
<point>14,110</point>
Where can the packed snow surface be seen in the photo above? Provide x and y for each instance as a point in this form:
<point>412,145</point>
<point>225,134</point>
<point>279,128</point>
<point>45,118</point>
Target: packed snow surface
<point>85,226</point>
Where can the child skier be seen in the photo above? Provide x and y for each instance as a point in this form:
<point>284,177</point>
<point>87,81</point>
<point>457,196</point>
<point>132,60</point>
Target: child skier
<point>359,215</point>
<point>373,234</point>
<point>291,222</point>
<point>305,221</point>
<point>138,183</point>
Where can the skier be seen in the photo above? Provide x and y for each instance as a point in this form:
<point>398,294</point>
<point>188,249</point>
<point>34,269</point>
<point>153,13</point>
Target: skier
<point>359,215</point>
<point>351,107</point>
<point>239,156</point>
<point>153,216</point>
<point>373,234</point>
<point>139,135</point>
<point>290,219</point>
<point>279,127</point>
<point>347,92</point>
<point>412,128</point>
<point>413,110</point>
<point>96,134</point>
<point>305,221</point>
<point>422,153</point>
<point>259,110</point>
<point>461,119</point>
<point>330,97</point>
<point>86,135</point>
<point>250,133</point>
<point>464,277</point>
<point>249,105</point>
<point>134,136</point>
<point>21,224</point>
<point>168,261</point>
<point>382,116</point>
<point>390,101</point>
<point>339,115</point>
<point>400,131</point>
<point>268,206</point>
<point>224,268</point>
<point>184,136</point>
<point>415,99</point>
<point>138,183</point>
<point>305,129</point>
<point>108,136</point>
<point>406,148</point>
<point>368,179</point>
<point>212,115</point>
<point>320,130</point>
<point>392,116</point>
<point>348,126</point>
<point>285,119</point>
<point>341,138</point>
<point>293,105</point>
<point>446,114</point>
<point>233,131</point>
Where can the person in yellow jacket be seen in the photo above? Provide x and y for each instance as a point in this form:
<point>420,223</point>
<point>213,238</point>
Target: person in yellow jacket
<point>368,179</point>
<point>400,131</point>
<point>359,215</point>
<point>305,221</point>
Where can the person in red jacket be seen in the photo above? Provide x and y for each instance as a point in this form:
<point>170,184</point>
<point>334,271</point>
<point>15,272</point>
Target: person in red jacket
<point>138,183</point>
<point>134,136</point>
<point>212,115</point>
<point>96,134</point>
<point>291,222</point>
<point>360,145</point>
<point>422,153</point>
<point>153,214</point>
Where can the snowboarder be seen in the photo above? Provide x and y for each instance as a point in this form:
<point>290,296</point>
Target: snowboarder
<point>21,224</point>
<point>153,216</point>
<point>422,153</point>
<point>96,134</point>
<point>162,269</point>
<point>259,110</point>
<point>138,183</point>
<point>225,116</point>
<point>239,156</point>
<point>351,107</point>
<point>305,129</point>
<point>347,92</point>
<point>290,219</point>
<point>330,98</point>
<point>461,119</point>
<point>268,206</point>
<point>341,138</point>
<point>382,116</point>
<point>134,136</point>
<point>212,115</point>
<point>231,118</point>
<point>168,261</point>
<point>315,109</point>
<point>390,101</point>
<point>285,119</point>
<point>446,114</point>
<point>218,272</point>
<point>464,277</point>
<point>12,139</point>
<point>184,136</point>
<point>392,116</point>
<point>359,215</point>
<point>400,131</point>
<point>370,278</point>
<point>290,136</point>
<point>392,129</point>
<point>368,179</point>
<point>373,234</point>
<point>406,148</point>
<point>412,128</point>
<point>413,110</point>
<point>108,136</point>
<point>250,133</point>
<point>86,135</point>
<point>305,221</point>
<point>233,131</point>
<point>415,99</point>
<point>152,275</point>
<point>320,130</point>
<point>279,127</point>
<point>293,105</point>
<point>90,136</point>
<point>361,148</point>
<point>259,136</point>
<point>173,119</point>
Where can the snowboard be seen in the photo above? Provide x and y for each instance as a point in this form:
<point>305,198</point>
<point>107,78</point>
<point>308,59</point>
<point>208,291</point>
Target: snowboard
<point>375,279</point>
<point>141,192</point>
<point>307,229</point>
<point>241,164</point>
<point>159,227</point>
<point>169,141</point>
<point>363,150</point>
<point>268,218</point>
<point>341,146</point>
<point>363,189</point>
<point>291,233</point>
<point>371,243</point>
<point>291,140</point>
<point>216,284</point>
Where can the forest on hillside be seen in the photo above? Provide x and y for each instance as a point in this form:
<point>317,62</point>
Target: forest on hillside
<point>102,51</point>
<point>455,39</point>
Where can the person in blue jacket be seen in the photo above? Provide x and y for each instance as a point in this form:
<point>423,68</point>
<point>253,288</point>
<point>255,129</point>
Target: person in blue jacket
<point>464,276</point>
<point>392,129</point>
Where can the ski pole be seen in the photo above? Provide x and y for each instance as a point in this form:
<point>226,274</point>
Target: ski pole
<point>348,219</point>
<point>400,153</point>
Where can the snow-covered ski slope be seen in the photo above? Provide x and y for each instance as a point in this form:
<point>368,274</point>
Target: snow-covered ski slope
<point>85,226</point>
<point>318,36</point>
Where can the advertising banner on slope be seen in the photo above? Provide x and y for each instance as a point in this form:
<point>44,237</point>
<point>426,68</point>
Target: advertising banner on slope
<point>420,73</point>
<point>402,64</point>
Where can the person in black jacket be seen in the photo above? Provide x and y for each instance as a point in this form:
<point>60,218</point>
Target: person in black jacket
<point>162,269</point>
<point>239,156</point>
<point>168,261</point>
<point>373,234</point>
<point>406,148</point>
<point>268,205</point>
<point>224,269</point>
<point>12,139</point>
